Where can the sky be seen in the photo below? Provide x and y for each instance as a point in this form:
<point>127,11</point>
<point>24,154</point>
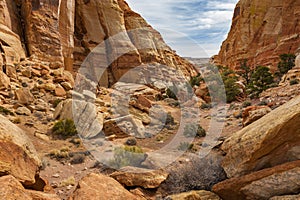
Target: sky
<point>193,28</point>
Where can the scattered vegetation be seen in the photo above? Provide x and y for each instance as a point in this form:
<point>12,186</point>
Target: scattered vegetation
<point>261,80</point>
<point>5,111</point>
<point>246,104</point>
<point>171,92</point>
<point>56,102</point>
<point>287,62</point>
<point>196,80</point>
<point>194,130</point>
<point>67,182</point>
<point>60,154</point>
<point>294,81</point>
<point>65,128</point>
<point>78,159</point>
<point>185,146</point>
<point>206,106</point>
<point>127,156</point>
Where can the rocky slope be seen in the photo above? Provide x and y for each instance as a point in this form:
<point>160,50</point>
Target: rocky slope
<point>65,32</point>
<point>260,32</point>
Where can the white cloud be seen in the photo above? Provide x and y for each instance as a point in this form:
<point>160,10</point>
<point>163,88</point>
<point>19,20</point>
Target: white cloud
<point>201,21</point>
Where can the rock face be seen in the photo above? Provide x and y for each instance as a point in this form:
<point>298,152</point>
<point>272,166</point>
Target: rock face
<point>100,187</point>
<point>17,154</point>
<point>11,188</point>
<point>66,32</point>
<point>260,32</point>
<point>280,180</point>
<point>267,142</point>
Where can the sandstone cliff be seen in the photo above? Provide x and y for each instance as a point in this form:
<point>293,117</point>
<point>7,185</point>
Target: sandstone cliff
<point>261,30</point>
<point>65,32</point>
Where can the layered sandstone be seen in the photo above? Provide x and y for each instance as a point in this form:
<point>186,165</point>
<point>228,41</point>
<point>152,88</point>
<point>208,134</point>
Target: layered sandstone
<point>65,33</point>
<point>260,32</point>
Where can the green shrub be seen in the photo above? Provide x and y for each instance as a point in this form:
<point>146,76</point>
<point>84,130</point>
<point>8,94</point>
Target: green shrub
<point>231,89</point>
<point>184,146</point>
<point>64,128</point>
<point>127,156</point>
<point>56,102</point>
<point>206,106</point>
<point>5,111</point>
<point>246,104</point>
<point>193,130</point>
<point>195,80</point>
<point>261,80</point>
<point>287,62</point>
<point>294,81</point>
<point>171,92</point>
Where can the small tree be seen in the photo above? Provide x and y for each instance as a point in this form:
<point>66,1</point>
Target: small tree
<point>287,62</point>
<point>261,80</point>
<point>245,71</point>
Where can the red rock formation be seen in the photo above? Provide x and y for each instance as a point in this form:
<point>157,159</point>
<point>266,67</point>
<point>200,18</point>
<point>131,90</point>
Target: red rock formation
<point>66,32</point>
<point>260,32</point>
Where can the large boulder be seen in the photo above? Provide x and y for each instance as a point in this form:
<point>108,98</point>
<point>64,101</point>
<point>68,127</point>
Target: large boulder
<point>262,185</point>
<point>272,140</point>
<point>88,121</point>
<point>12,189</point>
<point>17,154</point>
<point>132,177</point>
<point>98,187</point>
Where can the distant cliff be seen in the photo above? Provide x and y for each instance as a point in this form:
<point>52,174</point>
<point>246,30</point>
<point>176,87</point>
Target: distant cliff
<point>66,31</point>
<point>261,30</point>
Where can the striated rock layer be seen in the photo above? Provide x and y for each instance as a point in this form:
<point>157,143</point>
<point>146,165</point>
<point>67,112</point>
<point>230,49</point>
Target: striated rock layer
<point>66,32</point>
<point>260,32</point>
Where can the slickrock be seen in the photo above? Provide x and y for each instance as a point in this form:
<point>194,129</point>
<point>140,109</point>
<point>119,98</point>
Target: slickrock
<point>17,154</point>
<point>262,185</point>
<point>260,32</point>
<point>269,141</point>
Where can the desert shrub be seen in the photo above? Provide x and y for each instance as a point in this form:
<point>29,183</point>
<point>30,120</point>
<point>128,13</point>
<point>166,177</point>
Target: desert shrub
<point>193,130</point>
<point>287,62</point>
<point>67,182</point>
<point>261,80</point>
<point>64,128</point>
<point>184,146</point>
<point>78,159</point>
<point>60,154</point>
<point>5,111</point>
<point>171,92</point>
<point>170,119</point>
<point>263,103</point>
<point>196,80</point>
<point>56,102</point>
<point>294,81</point>
<point>127,156</point>
<point>246,104</point>
<point>206,106</point>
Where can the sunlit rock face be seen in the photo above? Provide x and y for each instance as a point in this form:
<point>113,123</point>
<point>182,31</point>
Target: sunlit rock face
<point>261,30</point>
<point>66,32</point>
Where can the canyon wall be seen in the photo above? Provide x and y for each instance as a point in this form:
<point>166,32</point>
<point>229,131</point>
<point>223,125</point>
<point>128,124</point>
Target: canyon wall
<point>66,32</point>
<point>261,30</point>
